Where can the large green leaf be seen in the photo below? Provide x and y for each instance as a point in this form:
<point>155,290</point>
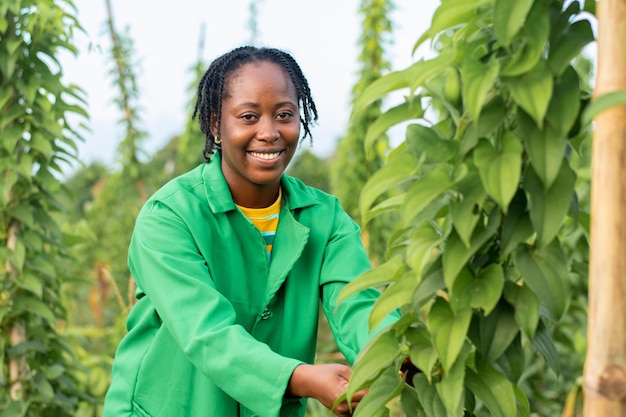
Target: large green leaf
<point>478,79</point>
<point>500,171</point>
<point>396,295</point>
<point>493,389</point>
<point>456,254</point>
<point>448,330</point>
<point>545,271</point>
<point>564,107</point>
<point>424,190</point>
<point>450,13</point>
<point>516,225</point>
<point>421,251</point>
<point>411,77</point>
<point>387,386</point>
<point>409,110</point>
<point>496,332</point>
<point>382,274</point>
<point>602,103</point>
<point>548,207</point>
<point>532,44</point>
<point>532,91</point>
<point>421,350</point>
<point>450,389</point>
<point>466,210</point>
<point>478,292</point>
<point>425,142</point>
<point>428,397</point>
<point>545,346</point>
<point>378,354</point>
<point>509,17</point>
<point>397,170</point>
<point>492,116</point>
<point>526,305</point>
<point>569,45</point>
<point>545,148</point>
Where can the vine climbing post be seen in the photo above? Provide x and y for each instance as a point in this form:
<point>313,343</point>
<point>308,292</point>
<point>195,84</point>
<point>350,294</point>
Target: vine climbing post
<point>605,368</point>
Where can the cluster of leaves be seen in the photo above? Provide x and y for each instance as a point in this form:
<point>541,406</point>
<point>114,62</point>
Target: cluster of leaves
<point>482,260</point>
<point>39,375</point>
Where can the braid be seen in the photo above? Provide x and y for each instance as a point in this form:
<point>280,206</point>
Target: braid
<point>208,105</point>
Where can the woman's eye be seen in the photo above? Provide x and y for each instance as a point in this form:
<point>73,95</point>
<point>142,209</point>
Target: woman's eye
<point>248,117</point>
<point>284,115</point>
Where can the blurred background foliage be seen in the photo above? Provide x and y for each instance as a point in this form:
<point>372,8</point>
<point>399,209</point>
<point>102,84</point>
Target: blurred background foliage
<point>96,206</point>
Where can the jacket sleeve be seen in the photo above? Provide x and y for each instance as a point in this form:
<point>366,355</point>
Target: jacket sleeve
<point>344,260</point>
<point>169,269</point>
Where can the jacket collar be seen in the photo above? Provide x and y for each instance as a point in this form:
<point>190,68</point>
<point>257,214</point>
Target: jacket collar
<point>220,200</point>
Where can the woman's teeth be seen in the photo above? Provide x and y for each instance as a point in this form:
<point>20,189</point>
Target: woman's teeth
<point>272,155</point>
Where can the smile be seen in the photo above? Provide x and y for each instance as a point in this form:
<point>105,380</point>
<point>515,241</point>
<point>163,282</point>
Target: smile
<point>264,155</point>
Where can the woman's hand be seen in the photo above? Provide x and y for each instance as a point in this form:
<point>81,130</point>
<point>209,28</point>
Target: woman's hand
<point>325,383</point>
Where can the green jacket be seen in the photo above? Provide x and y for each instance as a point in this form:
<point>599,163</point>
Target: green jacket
<point>216,330</point>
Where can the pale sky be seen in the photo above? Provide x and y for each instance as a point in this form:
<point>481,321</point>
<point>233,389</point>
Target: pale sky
<point>322,36</point>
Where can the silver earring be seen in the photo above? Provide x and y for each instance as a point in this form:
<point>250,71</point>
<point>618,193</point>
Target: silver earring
<point>217,140</point>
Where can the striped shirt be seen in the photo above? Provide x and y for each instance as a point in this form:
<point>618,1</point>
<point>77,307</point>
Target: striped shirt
<point>266,220</point>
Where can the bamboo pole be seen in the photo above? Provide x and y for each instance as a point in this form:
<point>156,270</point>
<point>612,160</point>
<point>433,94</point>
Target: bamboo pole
<point>605,366</point>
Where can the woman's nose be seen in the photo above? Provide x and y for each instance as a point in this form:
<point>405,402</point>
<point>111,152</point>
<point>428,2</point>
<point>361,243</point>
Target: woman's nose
<point>268,131</point>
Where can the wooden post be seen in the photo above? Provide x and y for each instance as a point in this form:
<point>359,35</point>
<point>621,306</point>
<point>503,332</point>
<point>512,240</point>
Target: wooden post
<point>605,366</point>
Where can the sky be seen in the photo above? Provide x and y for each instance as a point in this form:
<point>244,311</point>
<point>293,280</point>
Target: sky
<point>322,35</point>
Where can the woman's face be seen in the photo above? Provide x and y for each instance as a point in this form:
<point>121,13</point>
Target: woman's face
<point>260,128</point>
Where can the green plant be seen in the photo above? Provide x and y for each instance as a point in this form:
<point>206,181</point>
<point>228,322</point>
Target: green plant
<point>479,264</point>
<point>40,375</point>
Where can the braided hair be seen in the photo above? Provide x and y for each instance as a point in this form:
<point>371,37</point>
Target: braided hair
<point>211,89</point>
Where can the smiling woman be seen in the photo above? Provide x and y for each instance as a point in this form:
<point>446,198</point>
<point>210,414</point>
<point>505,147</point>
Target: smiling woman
<point>232,260</point>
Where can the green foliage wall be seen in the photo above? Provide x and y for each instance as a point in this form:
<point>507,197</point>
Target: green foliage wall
<point>491,239</point>
<point>39,373</point>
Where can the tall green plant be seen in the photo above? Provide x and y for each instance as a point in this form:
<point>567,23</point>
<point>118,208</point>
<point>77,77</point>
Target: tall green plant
<point>39,370</point>
<point>478,263</point>
<point>353,166</point>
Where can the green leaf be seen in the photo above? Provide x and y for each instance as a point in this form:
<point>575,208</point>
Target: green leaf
<point>450,389</point>
<point>569,45</point>
<point>374,358</point>
<point>428,397</point>
<point>410,404</point>
<point>477,80</point>
<point>564,107</point>
<point>43,386</point>
<point>6,94</point>
<point>467,209</point>
<point>384,273</point>
<point>429,285</point>
<point>512,363</point>
<point>424,190</point>
<point>516,225</point>
<point>421,350</point>
<point>509,17</point>
<point>390,204</point>
<point>16,408</point>
<point>388,386</point>
<point>545,272</point>
<point>411,77</point>
<point>523,406</point>
<point>532,43</point>
<point>450,13</point>
<point>456,254</point>
<point>549,206</point>
<point>545,147</point>
<point>526,305</point>
<point>409,110</point>
<point>493,389</point>
<point>28,304</point>
<point>30,283</point>
<point>532,91</point>
<point>492,116</point>
<point>497,332</point>
<point>478,292</point>
<point>397,170</point>
<point>421,251</point>
<point>603,103</point>
<point>425,142</point>
<point>500,171</point>
<point>545,346</point>
<point>396,295</point>
<point>448,330</point>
